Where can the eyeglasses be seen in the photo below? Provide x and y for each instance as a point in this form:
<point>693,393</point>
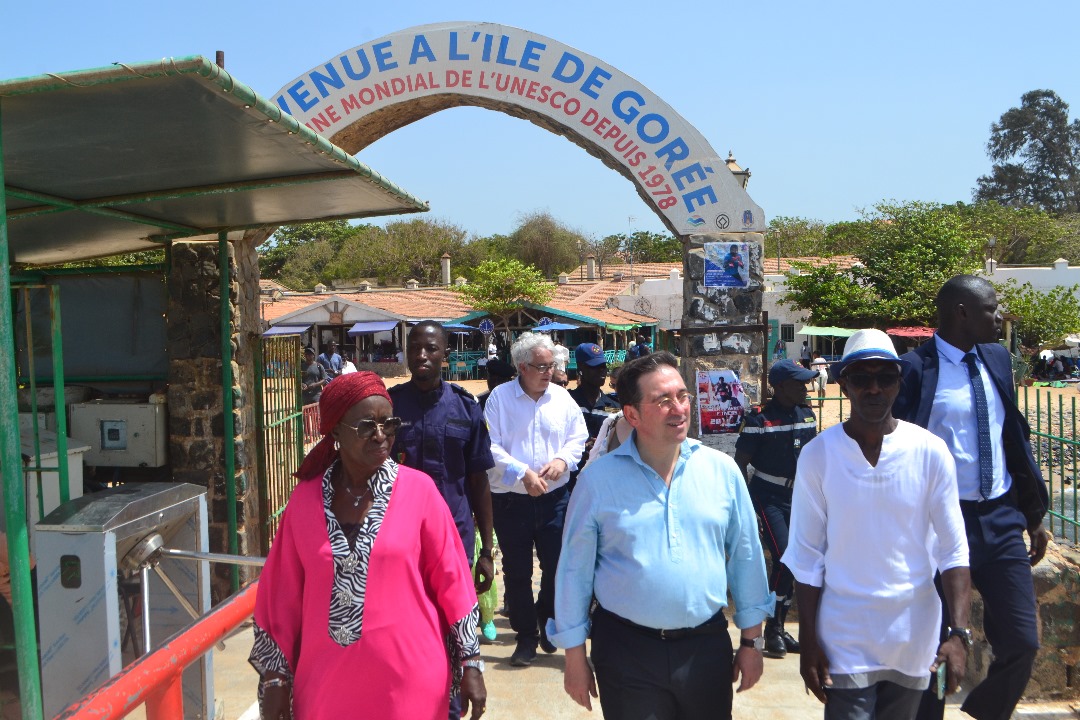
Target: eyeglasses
<point>562,383</point>
<point>862,381</point>
<point>366,428</point>
<point>549,367</point>
<point>668,403</point>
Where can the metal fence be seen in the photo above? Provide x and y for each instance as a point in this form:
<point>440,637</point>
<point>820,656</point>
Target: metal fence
<point>1054,442</point>
<point>1052,415</point>
<point>281,436</point>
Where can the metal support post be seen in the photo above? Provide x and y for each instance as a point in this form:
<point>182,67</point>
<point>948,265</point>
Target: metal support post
<point>229,431</point>
<point>26,648</point>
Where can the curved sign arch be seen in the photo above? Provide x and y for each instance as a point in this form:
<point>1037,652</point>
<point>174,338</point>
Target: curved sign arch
<point>360,95</point>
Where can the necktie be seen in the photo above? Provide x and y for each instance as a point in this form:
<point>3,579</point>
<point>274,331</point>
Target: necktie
<point>986,457</point>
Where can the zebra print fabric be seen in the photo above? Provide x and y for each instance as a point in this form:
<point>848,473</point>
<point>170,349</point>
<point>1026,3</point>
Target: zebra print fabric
<point>463,642</point>
<point>351,563</point>
<point>266,655</point>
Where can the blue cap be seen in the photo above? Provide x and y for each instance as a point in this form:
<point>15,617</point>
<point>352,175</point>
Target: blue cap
<point>590,354</point>
<point>789,370</point>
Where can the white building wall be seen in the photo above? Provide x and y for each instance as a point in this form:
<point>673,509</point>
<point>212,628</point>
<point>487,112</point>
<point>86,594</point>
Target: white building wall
<point>1042,279</point>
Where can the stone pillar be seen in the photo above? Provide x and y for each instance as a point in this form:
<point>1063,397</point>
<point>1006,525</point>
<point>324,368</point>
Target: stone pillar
<point>713,307</point>
<point>196,420</point>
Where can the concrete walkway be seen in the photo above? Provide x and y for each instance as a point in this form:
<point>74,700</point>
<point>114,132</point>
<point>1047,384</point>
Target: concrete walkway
<point>536,693</point>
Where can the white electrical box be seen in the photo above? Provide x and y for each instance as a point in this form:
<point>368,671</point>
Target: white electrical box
<point>121,433</point>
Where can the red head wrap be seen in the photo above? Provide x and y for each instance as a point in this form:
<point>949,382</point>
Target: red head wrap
<point>340,395</point>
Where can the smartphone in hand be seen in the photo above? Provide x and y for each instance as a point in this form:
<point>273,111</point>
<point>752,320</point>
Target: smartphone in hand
<point>942,680</point>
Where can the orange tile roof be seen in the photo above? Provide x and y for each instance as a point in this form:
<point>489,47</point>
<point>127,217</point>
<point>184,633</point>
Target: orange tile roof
<point>637,271</point>
<point>422,303</point>
<point>268,286</point>
<point>590,298</point>
<point>843,262</point>
<point>272,310</point>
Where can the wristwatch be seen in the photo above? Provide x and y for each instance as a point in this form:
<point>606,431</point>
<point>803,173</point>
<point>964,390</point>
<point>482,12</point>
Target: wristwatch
<point>475,663</point>
<point>965,636</point>
<point>757,643</point>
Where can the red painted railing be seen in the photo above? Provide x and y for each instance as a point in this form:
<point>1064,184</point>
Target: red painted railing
<point>156,679</point>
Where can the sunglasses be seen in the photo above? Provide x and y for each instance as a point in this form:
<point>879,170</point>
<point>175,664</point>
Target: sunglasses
<point>366,428</point>
<point>562,383</point>
<point>862,381</point>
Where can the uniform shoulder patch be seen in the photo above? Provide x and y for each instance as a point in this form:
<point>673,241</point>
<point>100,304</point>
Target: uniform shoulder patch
<point>462,392</point>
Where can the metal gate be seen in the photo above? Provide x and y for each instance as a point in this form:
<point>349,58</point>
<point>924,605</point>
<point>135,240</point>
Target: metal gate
<point>281,436</point>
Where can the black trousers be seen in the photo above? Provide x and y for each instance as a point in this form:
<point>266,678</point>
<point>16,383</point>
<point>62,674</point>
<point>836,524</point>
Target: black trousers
<point>773,505</point>
<point>1001,572</point>
<point>641,677</point>
<point>523,522</point>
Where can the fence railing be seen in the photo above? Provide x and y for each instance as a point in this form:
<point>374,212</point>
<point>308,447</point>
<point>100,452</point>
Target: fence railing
<point>1054,441</point>
<point>311,426</point>
<point>155,680</point>
<point>281,437</point>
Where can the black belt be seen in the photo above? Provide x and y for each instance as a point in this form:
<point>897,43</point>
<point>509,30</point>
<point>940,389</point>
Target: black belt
<point>984,506</point>
<point>714,625</point>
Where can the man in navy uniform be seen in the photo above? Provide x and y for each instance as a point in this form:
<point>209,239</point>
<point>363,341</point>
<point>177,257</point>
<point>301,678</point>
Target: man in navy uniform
<point>771,440</point>
<point>959,386</point>
<point>443,434</point>
<point>596,405</point>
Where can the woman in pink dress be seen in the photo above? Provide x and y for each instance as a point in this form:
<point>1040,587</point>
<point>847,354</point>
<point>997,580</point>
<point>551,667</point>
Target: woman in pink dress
<point>365,581</point>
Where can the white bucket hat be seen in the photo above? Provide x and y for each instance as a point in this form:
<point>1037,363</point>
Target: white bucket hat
<point>869,344</point>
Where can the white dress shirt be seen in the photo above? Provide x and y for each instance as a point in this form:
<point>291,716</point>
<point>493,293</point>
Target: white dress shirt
<point>953,419</point>
<point>871,537</point>
<point>528,434</point>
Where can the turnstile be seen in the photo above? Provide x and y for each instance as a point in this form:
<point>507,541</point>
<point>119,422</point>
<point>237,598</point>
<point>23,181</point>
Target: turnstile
<point>100,550</point>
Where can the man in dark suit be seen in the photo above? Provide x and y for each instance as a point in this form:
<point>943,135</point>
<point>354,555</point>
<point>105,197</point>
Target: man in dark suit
<point>959,386</point>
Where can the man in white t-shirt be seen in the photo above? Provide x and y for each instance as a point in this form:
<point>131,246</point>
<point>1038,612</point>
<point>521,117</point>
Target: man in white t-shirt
<point>875,512</point>
<point>821,366</point>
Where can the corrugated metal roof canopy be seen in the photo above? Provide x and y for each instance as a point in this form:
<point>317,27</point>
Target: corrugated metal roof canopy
<point>119,159</point>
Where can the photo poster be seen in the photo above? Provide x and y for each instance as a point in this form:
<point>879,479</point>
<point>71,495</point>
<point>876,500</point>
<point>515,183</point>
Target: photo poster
<point>721,401</point>
<point>727,264</point>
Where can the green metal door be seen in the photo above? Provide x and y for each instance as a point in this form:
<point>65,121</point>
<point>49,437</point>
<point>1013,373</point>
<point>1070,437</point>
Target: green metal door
<point>281,436</point>
<point>774,335</point>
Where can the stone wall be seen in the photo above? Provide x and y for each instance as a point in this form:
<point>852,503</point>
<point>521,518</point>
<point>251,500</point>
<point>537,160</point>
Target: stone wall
<point>1056,675</point>
<point>385,369</point>
<point>196,410</point>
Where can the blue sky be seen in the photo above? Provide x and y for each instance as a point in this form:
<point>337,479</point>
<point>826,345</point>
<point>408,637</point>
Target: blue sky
<point>832,106</point>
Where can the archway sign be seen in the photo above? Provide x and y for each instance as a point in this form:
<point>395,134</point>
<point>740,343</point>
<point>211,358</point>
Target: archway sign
<point>360,95</point>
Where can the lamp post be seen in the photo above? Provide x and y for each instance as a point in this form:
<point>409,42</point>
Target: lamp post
<point>990,243</point>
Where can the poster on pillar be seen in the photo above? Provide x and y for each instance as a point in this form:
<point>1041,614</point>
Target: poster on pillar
<point>727,265</point>
<point>721,401</point>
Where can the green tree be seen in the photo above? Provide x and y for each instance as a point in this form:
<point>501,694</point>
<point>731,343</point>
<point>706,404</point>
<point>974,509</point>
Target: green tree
<point>606,251</point>
<point>501,286</point>
<point>1045,318</point>
<point>650,247</point>
<point>1021,234</point>
<point>833,296</point>
<point>912,248</point>
<point>545,243</point>
<point>308,265</point>
<point>1036,154</point>
<point>795,237</point>
<point>287,239</point>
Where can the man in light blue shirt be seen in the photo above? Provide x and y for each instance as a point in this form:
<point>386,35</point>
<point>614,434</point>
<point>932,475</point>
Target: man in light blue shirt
<point>659,530</point>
